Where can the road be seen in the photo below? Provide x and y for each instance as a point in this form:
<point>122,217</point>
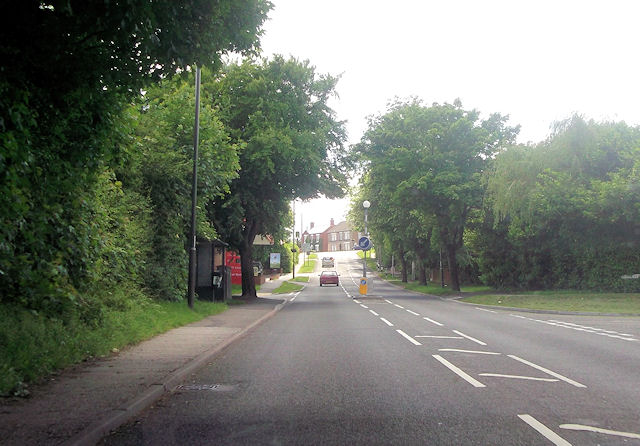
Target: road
<point>394,367</point>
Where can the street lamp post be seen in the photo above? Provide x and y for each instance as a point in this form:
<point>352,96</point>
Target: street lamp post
<point>365,205</point>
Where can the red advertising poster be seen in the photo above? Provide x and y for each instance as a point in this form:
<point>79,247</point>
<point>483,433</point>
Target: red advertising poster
<point>233,260</point>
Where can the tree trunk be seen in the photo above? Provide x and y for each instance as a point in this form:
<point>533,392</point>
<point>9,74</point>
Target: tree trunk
<point>452,260</point>
<point>246,260</point>
<point>403,261</point>
<point>246,265</point>
<point>422,270</point>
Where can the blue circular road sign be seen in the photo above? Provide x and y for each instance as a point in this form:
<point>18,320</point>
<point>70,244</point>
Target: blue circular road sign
<point>364,243</point>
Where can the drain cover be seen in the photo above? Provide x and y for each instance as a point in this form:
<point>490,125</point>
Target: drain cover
<point>209,387</point>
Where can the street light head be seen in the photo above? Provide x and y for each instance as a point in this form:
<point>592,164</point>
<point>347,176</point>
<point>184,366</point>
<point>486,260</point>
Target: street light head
<point>366,204</point>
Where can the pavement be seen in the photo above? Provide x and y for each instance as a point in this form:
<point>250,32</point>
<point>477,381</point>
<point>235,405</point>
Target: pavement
<point>80,405</point>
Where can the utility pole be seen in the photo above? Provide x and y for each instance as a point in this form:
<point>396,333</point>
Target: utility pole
<point>194,197</point>
<point>293,240</point>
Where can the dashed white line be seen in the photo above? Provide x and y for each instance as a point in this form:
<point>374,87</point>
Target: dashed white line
<point>530,378</point>
<point>388,301</point>
<point>293,298</point>
<point>544,430</point>
<point>399,306</point>
<point>409,338</point>
<point>356,301</point>
<point>484,309</point>
<point>474,382</point>
<point>468,337</point>
<point>413,312</point>
<point>547,371</point>
<point>374,313</point>
<point>467,351</point>
<point>439,337</point>
<point>432,321</point>
<point>364,306</point>
<point>386,322</point>
<point>581,427</point>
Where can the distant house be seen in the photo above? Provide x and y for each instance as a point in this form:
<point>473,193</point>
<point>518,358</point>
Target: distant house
<point>340,237</point>
<point>337,237</point>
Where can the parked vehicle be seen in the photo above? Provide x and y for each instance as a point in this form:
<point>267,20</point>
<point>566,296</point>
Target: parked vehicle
<point>328,262</point>
<point>329,277</point>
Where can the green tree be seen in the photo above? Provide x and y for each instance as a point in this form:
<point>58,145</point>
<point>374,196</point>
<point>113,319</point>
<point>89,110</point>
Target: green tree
<point>292,147</point>
<point>569,208</point>
<point>159,167</point>
<point>68,69</point>
<point>438,155</point>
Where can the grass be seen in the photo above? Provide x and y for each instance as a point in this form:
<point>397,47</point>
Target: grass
<point>287,287</point>
<point>300,279</point>
<point>308,267</point>
<point>33,346</point>
<point>434,289</point>
<point>622,303</point>
<point>312,256</point>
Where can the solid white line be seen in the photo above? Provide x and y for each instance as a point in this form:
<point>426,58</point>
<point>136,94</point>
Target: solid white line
<point>293,298</point>
<point>413,312</point>
<point>581,427</point>
<point>547,371</point>
<point>531,378</point>
<point>484,309</point>
<point>386,322</point>
<point>460,373</point>
<point>432,321</point>
<point>364,306</point>
<point>439,337</point>
<point>409,338</point>
<point>399,306</point>
<point>374,313</point>
<point>468,337</point>
<point>544,430</point>
<point>467,351</point>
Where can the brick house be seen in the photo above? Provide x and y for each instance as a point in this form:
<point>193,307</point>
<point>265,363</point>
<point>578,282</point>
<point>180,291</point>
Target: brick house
<point>337,237</point>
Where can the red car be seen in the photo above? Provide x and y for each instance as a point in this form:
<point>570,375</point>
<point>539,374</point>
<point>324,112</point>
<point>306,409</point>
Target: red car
<point>329,277</point>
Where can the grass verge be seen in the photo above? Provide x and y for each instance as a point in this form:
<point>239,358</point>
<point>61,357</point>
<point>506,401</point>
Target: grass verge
<point>621,303</point>
<point>287,287</point>
<point>308,267</point>
<point>33,346</point>
<point>300,279</point>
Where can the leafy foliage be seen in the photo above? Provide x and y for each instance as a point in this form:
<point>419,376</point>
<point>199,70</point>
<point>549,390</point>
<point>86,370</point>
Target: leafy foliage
<point>426,165</point>
<point>292,147</point>
<point>566,209</point>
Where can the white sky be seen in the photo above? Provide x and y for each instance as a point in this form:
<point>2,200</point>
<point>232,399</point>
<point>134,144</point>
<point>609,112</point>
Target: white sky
<point>537,61</point>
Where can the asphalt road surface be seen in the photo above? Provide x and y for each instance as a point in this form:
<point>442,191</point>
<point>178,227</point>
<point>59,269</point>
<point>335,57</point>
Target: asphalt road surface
<point>393,367</point>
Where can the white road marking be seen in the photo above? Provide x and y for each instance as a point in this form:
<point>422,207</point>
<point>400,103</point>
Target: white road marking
<point>544,430</point>
<point>583,328</point>
<point>399,306</point>
<point>484,309</point>
<point>374,313</point>
<point>547,371</point>
<point>432,321</point>
<point>468,337</point>
<point>466,351</point>
<point>386,322</point>
<point>364,306</point>
<point>413,312</point>
<point>474,382</point>
<point>409,338</point>
<point>293,298</point>
<point>599,430</point>
<point>388,301</point>
<point>440,337</point>
<point>531,378</point>
<point>356,301</point>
